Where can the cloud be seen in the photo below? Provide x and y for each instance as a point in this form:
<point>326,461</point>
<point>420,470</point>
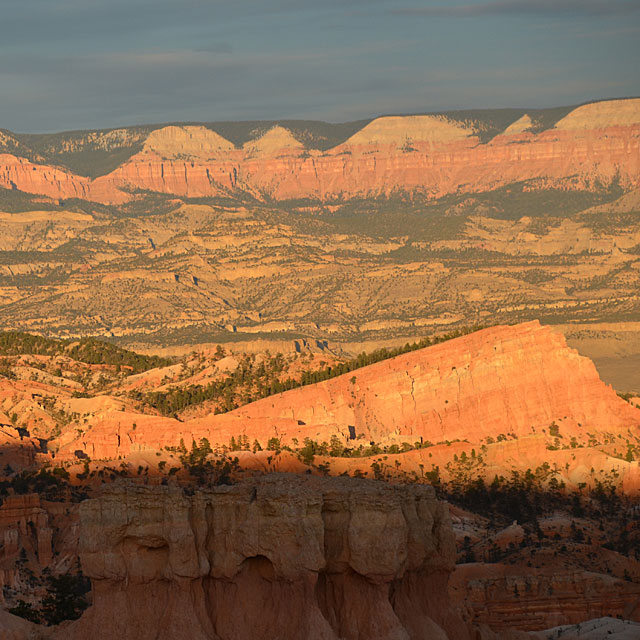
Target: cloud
<point>569,8</point>
<point>216,47</point>
<point>131,87</point>
<point>95,63</point>
<point>620,32</point>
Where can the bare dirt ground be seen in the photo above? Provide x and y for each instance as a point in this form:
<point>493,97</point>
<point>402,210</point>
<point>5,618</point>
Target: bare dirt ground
<point>613,347</point>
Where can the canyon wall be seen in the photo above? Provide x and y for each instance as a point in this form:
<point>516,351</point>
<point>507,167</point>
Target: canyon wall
<point>505,597</point>
<point>594,146</point>
<point>278,556</point>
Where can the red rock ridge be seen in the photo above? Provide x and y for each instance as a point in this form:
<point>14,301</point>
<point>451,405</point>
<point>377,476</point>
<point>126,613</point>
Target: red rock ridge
<point>501,380</point>
<point>593,145</point>
<point>21,174</point>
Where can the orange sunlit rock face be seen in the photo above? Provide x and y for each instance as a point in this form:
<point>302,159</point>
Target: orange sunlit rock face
<point>502,380</point>
<point>595,145</point>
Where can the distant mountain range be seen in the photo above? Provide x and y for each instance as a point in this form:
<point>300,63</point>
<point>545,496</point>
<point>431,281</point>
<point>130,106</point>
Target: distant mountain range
<point>588,147</point>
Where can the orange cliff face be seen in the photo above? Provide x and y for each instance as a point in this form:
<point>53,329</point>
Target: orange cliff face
<point>507,380</point>
<point>595,144</point>
<point>23,175</point>
<point>545,597</point>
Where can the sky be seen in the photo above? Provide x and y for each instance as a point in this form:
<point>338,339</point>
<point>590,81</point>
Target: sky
<point>78,64</point>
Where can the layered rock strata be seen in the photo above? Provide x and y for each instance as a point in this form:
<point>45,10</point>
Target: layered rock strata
<point>275,557</point>
<point>37,537</point>
<point>25,524</point>
<point>502,380</point>
<point>595,144</point>
<point>506,597</point>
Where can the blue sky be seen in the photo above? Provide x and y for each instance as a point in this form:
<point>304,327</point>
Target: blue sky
<point>74,64</point>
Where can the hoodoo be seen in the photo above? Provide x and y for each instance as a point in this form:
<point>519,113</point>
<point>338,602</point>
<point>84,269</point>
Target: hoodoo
<point>276,557</point>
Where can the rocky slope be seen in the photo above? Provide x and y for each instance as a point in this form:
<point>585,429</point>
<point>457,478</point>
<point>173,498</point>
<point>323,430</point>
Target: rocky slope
<point>496,384</point>
<point>606,628</point>
<point>594,145</point>
<point>392,229</point>
<point>508,597</point>
<point>368,274</point>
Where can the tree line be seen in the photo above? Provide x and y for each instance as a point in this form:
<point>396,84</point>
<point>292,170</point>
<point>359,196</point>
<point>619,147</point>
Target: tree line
<point>252,380</point>
<point>87,350</point>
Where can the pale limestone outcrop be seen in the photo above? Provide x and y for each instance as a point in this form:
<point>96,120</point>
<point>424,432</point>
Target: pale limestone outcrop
<point>276,141</point>
<point>175,143</point>
<point>606,628</point>
<point>608,113</point>
<point>404,130</point>
<point>273,557</point>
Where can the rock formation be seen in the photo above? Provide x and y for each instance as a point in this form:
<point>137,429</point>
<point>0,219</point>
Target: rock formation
<point>16,449</point>
<point>543,597</point>
<point>37,538</point>
<point>595,144</point>
<point>15,628</point>
<point>25,524</point>
<point>274,557</point>
<point>360,559</point>
<point>502,380</point>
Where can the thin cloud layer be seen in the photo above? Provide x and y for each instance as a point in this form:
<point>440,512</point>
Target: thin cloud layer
<point>528,8</point>
<point>93,63</point>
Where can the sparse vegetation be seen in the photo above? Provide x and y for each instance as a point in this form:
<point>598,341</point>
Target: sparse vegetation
<point>87,350</point>
<point>252,381</point>
<point>66,599</point>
